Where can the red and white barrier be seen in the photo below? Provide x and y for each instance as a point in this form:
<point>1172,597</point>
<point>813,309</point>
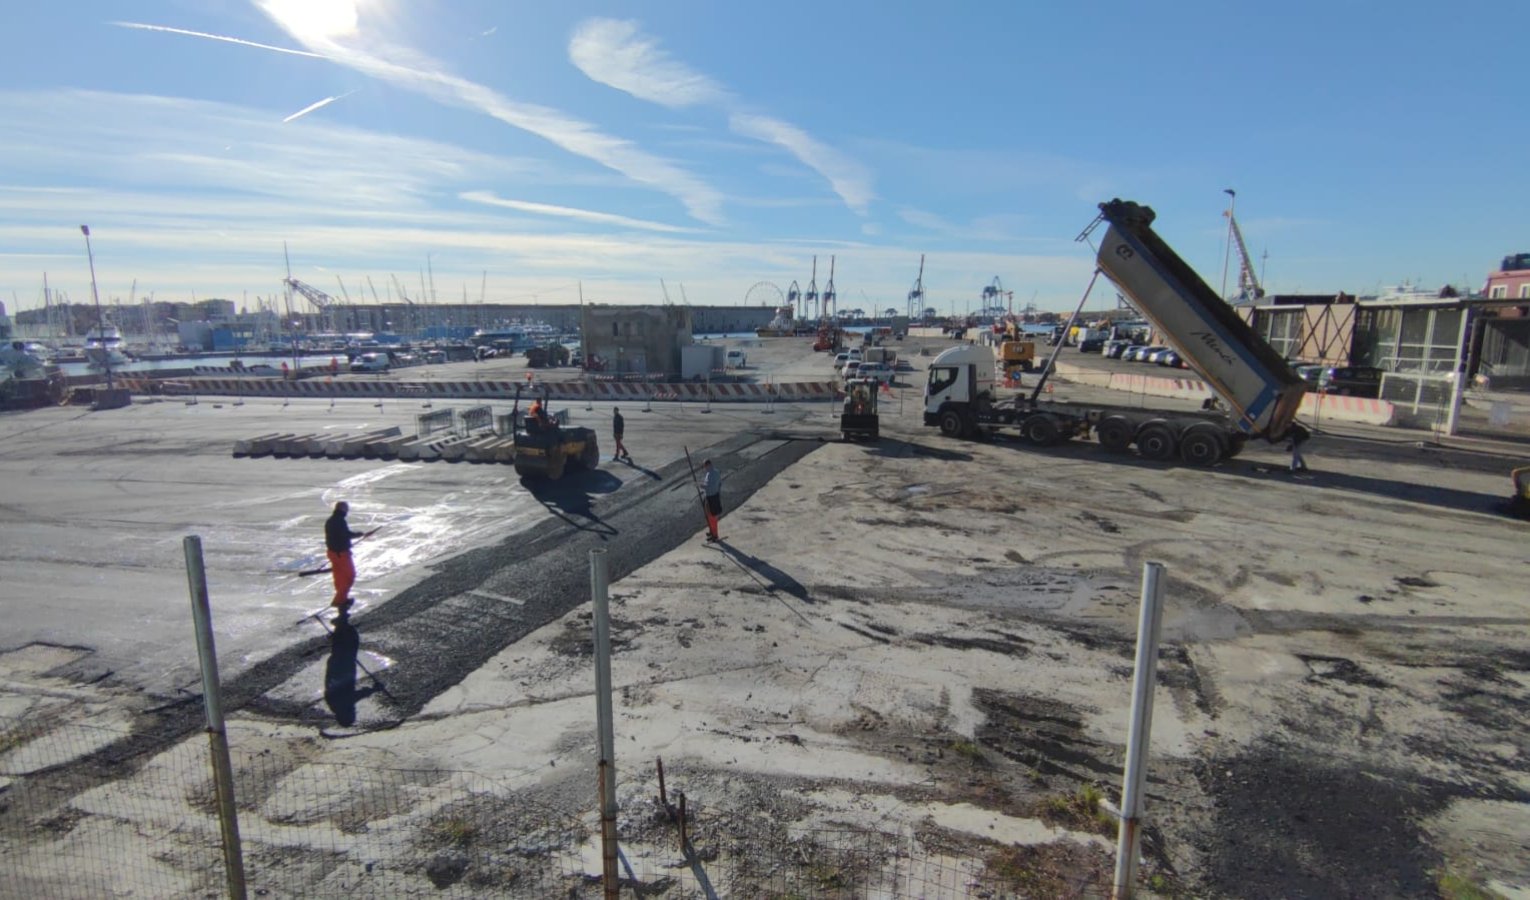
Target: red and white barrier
<point>506,390</point>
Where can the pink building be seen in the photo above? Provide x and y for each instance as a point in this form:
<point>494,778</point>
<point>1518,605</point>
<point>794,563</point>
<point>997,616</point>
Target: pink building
<point>1511,281</point>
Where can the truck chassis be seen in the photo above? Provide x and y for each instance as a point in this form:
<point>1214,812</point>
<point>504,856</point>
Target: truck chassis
<point>1200,439</point>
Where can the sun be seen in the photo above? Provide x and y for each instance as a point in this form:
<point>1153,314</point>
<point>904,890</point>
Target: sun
<point>315,18</point>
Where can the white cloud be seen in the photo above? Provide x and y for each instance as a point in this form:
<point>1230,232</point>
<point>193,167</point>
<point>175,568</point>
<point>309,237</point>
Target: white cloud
<point>427,77</point>
<point>216,37</point>
<point>849,179</point>
<point>616,53</point>
<point>613,53</point>
<point>584,215</point>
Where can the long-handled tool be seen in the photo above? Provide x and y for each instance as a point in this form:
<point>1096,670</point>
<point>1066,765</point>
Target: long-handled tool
<point>322,569</point>
<point>701,495</point>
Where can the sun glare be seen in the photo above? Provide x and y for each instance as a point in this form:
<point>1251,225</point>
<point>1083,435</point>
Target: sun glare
<point>315,18</point>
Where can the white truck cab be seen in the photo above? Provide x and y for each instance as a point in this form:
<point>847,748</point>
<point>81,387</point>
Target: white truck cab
<point>959,375</point>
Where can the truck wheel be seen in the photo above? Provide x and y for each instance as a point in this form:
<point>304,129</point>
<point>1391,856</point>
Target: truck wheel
<point>1201,446</point>
<point>951,424</point>
<point>1156,442</point>
<point>1041,430</point>
<point>1114,433</point>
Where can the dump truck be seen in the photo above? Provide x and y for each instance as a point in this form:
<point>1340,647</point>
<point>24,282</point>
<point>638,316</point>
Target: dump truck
<point>545,449</point>
<point>551,355</point>
<point>858,421</point>
<point>1259,390</point>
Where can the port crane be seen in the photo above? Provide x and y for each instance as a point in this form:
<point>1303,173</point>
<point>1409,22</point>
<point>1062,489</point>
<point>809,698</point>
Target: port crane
<point>916,294</point>
<point>1249,288</point>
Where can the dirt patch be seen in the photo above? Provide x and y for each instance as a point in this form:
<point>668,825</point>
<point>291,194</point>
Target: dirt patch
<point>1104,524</point>
<point>1286,822</point>
<point>1337,668</point>
<point>1044,735</point>
<point>1002,642</point>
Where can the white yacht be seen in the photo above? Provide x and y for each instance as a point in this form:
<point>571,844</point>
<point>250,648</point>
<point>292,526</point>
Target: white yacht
<point>103,346</point>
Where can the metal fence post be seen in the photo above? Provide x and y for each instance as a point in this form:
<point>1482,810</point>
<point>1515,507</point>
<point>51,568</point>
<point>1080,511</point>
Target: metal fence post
<point>217,737</point>
<point>1129,837</point>
<point>606,768</point>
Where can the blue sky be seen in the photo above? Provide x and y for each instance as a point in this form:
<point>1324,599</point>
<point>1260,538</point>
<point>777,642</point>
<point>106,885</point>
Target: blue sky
<point>521,151</point>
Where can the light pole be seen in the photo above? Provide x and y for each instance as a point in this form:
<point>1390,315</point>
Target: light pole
<point>106,352</point>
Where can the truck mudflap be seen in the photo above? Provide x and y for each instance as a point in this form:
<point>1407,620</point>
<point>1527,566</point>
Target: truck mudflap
<point>1244,370</point>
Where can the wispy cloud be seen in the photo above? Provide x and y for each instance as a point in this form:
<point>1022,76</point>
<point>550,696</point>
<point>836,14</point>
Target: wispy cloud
<point>319,105</point>
<point>849,179</point>
<point>616,53</point>
<point>427,77</point>
<point>567,212</point>
<point>217,37</point>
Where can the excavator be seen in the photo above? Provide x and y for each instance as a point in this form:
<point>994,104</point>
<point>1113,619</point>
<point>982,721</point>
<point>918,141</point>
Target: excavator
<point>544,449</point>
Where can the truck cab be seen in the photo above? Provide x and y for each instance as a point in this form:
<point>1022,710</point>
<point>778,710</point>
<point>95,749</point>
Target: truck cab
<point>959,379</point>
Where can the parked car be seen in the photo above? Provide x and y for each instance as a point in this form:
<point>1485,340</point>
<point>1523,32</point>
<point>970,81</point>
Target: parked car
<point>840,359</point>
<point>1142,353</point>
<point>1157,355</point>
<point>735,359</point>
<point>851,369</point>
<point>1114,349</point>
<point>855,354</point>
<point>1091,345</point>
<point>1352,381</point>
<point>370,362</point>
<point>1172,359</point>
<point>880,372</point>
<point>1128,350</point>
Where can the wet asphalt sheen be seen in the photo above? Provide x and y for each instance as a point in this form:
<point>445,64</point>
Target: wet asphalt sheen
<point>455,620</point>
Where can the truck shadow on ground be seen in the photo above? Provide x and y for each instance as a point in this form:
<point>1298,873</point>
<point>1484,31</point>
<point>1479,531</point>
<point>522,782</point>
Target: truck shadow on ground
<point>897,449</point>
<point>1390,489</point>
<point>571,498</point>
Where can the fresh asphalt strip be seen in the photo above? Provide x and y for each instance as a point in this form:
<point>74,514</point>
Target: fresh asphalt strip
<point>455,620</point>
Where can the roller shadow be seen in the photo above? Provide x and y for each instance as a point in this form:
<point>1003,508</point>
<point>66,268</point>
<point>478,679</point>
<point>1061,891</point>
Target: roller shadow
<point>632,465</point>
<point>571,498</point>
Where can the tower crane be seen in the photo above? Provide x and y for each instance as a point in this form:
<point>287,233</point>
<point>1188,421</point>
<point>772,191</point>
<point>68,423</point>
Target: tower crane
<point>828,294</point>
<point>916,294</point>
<point>810,298</point>
<point>1249,288</point>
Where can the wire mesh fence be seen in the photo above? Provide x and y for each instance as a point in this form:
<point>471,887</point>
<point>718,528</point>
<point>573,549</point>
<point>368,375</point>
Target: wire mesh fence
<point>74,826</point>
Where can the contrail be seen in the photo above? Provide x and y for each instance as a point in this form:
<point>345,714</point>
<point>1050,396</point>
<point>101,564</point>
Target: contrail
<point>320,105</point>
<point>219,37</point>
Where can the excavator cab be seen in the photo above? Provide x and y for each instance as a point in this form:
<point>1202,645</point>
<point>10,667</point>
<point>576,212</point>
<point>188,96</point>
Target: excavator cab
<point>545,449</point>
<point>858,421</point>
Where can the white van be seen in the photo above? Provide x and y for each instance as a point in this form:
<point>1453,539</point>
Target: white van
<point>735,359</point>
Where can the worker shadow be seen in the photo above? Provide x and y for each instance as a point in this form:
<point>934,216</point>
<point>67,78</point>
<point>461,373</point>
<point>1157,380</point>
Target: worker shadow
<point>572,498</point>
<point>767,576</point>
<point>340,691</point>
<point>634,466</point>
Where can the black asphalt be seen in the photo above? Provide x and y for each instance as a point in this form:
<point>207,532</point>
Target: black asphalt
<point>437,632</point>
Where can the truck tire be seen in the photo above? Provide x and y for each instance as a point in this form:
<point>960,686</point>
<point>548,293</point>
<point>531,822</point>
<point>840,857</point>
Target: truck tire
<point>952,425</point>
<point>1114,433</point>
<point>1155,441</point>
<point>1202,445</point>
<point>1041,430</point>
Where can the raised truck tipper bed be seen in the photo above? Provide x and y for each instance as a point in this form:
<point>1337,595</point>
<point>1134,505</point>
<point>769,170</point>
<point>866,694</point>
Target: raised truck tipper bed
<point>1260,390</point>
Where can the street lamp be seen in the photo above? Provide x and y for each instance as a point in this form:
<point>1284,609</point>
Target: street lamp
<point>106,353</point>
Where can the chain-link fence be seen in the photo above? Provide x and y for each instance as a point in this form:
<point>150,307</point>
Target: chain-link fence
<point>73,825</point>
